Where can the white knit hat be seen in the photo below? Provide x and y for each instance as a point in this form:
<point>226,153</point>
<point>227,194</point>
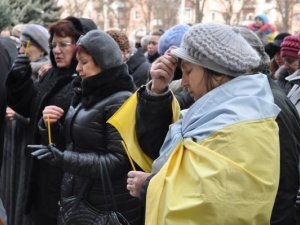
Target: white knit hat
<point>217,47</point>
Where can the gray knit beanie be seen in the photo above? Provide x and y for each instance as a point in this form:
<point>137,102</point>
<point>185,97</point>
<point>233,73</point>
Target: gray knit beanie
<point>102,47</point>
<point>217,47</point>
<point>38,34</point>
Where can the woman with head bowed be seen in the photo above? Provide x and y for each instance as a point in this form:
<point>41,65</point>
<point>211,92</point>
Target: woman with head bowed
<point>93,145</point>
<point>216,162</point>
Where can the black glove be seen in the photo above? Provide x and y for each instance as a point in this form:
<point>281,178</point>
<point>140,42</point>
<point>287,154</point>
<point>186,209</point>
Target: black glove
<point>21,67</point>
<point>48,153</point>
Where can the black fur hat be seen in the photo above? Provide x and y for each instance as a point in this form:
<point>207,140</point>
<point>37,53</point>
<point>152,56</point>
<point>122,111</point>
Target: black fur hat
<point>274,47</point>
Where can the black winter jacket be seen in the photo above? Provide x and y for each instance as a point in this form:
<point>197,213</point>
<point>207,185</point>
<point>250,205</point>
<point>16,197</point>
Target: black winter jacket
<point>138,67</point>
<point>29,98</point>
<point>7,52</point>
<point>288,121</point>
<point>92,142</point>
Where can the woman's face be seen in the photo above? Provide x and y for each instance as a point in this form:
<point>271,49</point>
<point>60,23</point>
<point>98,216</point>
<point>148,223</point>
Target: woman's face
<point>290,64</point>
<point>278,59</point>
<point>193,79</point>
<point>86,66</point>
<point>197,81</point>
<point>32,51</point>
<point>63,49</point>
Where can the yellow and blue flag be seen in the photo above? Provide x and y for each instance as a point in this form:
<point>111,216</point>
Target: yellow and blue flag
<point>219,164</point>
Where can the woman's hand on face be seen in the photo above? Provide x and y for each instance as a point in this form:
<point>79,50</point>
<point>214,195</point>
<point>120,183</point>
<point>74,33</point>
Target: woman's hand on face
<point>10,114</point>
<point>162,72</point>
<point>135,182</point>
<point>54,113</point>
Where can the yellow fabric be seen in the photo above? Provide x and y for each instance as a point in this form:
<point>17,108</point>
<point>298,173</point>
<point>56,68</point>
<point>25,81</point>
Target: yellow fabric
<point>271,37</point>
<point>229,178</point>
<point>124,121</point>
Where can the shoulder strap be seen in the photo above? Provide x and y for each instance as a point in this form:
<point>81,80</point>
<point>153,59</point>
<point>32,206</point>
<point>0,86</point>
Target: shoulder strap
<point>106,179</point>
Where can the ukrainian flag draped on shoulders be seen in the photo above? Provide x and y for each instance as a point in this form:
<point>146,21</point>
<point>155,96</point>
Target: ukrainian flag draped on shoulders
<point>219,164</point>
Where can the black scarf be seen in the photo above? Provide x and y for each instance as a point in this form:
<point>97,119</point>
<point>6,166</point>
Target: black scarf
<point>95,88</point>
<point>152,58</point>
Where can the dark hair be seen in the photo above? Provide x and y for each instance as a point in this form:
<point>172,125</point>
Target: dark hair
<point>80,49</point>
<point>157,33</point>
<point>64,28</point>
<point>209,76</point>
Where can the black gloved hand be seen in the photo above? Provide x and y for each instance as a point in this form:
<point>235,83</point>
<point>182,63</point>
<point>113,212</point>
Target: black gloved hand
<point>21,67</point>
<point>48,153</point>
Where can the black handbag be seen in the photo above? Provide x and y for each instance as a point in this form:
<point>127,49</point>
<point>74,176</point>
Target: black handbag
<point>76,210</point>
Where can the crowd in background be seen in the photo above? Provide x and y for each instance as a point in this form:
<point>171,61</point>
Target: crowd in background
<point>77,80</point>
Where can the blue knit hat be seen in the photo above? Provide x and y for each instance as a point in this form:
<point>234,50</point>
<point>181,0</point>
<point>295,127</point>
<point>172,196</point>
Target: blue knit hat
<point>172,36</point>
<point>262,17</point>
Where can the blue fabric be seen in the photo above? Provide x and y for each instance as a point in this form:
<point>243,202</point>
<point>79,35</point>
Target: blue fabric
<point>243,98</point>
<point>172,36</point>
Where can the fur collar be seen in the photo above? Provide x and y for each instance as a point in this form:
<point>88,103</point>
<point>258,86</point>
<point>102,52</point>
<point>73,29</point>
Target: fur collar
<point>95,88</point>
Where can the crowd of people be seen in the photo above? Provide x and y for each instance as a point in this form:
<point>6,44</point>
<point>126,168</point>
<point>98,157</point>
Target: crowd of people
<point>198,124</point>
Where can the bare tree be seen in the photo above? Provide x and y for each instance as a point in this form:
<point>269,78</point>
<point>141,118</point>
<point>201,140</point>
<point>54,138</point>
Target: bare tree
<point>166,12</point>
<point>230,12</point>
<point>199,10</point>
<point>103,13</point>
<point>147,8</point>
<point>75,7</point>
<point>286,11</point>
<point>120,14</point>
<point>127,15</point>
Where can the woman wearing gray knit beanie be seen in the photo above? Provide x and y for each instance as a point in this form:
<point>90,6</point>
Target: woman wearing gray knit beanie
<point>218,163</point>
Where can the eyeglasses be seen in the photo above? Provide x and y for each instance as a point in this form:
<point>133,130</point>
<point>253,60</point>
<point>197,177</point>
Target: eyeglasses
<point>61,45</point>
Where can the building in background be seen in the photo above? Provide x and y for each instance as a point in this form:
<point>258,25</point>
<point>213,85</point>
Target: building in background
<point>139,17</point>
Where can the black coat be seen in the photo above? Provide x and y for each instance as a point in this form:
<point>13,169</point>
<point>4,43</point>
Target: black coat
<point>7,54</point>
<point>4,67</point>
<point>29,99</point>
<point>151,134</point>
<point>289,132</point>
<point>91,143</point>
<point>138,67</point>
